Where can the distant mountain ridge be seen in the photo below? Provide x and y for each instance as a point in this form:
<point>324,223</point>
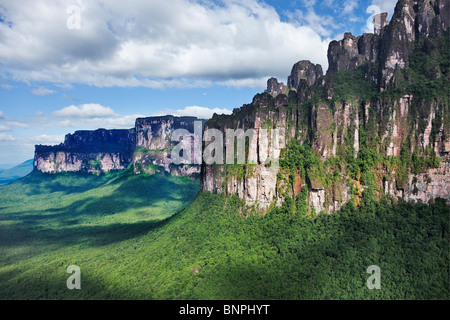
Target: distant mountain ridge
<point>14,173</point>
<point>6,166</point>
<point>146,147</point>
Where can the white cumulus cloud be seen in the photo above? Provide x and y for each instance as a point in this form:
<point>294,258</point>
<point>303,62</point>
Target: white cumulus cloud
<point>195,111</point>
<point>117,122</point>
<point>4,128</point>
<point>42,91</point>
<point>6,137</point>
<point>93,116</point>
<point>45,139</point>
<point>18,124</point>
<point>350,6</point>
<point>90,110</point>
<point>177,43</point>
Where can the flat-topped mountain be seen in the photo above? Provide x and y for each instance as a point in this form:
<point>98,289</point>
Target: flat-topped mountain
<point>146,147</point>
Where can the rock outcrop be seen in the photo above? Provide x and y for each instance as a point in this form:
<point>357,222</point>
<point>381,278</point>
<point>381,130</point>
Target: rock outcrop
<point>345,54</point>
<point>154,145</point>
<point>304,70</point>
<point>146,147</point>
<point>274,88</point>
<point>372,120</point>
<point>87,151</point>
<point>380,21</point>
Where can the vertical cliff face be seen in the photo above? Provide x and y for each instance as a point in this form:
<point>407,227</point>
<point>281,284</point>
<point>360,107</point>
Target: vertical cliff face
<point>412,21</point>
<point>377,123</point>
<point>345,54</point>
<point>87,151</point>
<point>154,145</point>
<point>306,71</point>
<point>274,88</point>
<point>255,181</point>
<point>147,148</point>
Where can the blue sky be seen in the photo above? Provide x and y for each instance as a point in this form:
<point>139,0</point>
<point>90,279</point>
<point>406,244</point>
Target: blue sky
<point>75,64</point>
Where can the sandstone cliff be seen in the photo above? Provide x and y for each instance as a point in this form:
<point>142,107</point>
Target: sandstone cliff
<point>154,145</point>
<point>87,151</point>
<point>146,148</point>
<point>378,120</point>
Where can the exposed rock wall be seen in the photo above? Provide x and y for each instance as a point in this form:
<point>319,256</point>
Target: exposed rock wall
<point>274,88</point>
<point>304,70</point>
<point>434,183</point>
<point>67,161</point>
<point>154,145</point>
<point>332,129</point>
<point>396,125</point>
<point>255,181</point>
<point>87,151</point>
<point>147,147</point>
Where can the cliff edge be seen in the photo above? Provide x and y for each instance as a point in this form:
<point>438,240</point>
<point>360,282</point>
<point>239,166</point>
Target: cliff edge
<point>146,148</point>
<point>377,123</point>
